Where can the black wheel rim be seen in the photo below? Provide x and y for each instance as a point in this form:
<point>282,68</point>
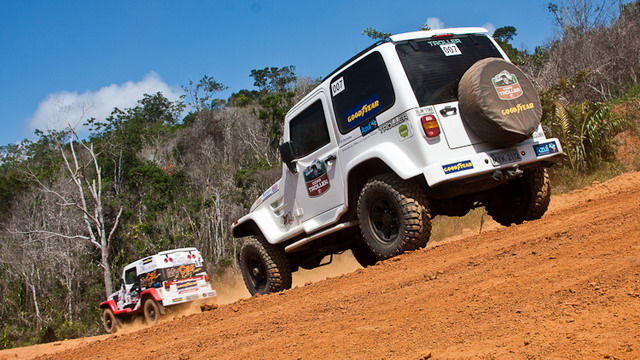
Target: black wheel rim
<point>257,272</point>
<point>384,220</point>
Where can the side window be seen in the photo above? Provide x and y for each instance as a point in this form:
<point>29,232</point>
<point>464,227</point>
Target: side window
<point>130,276</point>
<point>361,92</point>
<point>309,130</point>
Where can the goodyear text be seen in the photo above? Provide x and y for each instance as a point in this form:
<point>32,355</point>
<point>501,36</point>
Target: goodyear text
<point>518,109</point>
<point>459,166</point>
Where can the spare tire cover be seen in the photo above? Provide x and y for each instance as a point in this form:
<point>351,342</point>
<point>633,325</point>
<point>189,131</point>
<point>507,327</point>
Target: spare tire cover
<point>498,102</point>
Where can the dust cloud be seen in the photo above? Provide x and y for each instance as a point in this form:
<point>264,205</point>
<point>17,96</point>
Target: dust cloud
<point>231,288</point>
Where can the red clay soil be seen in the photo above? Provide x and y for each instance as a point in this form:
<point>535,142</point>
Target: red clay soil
<point>563,287</point>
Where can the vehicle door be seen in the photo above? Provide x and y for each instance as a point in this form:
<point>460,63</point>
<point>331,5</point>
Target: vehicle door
<point>319,181</point>
<point>130,287</point>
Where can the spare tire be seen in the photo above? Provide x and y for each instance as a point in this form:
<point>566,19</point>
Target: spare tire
<point>499,102</point>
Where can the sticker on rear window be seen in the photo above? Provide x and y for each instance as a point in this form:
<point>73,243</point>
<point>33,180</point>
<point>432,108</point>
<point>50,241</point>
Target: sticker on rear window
<point>337,87</point>
<point>450,49</point>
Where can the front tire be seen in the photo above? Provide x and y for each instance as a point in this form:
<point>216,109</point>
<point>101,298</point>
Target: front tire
<point>523,199</point>
<point>265,267</point>
<point>109,321</point>
<point>151,311</point>
<point>394,216</point>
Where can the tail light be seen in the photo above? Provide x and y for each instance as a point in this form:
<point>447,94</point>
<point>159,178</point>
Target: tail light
<point>167,285</point>
<point>207,278</point>
<point>430,126</point>
<point>442,36</point>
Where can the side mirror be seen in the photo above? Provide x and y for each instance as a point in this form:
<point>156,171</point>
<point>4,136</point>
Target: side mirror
<point>288,155</point>
<point>121,284</point>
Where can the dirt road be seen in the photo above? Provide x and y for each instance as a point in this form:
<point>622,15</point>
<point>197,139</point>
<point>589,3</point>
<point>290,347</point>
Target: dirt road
<point>563,287</point>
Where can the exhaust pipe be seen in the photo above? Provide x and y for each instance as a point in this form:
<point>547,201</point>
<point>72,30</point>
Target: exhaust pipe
<point>508,174</point>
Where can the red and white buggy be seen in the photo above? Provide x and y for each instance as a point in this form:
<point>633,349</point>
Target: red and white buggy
<point>150,285</point>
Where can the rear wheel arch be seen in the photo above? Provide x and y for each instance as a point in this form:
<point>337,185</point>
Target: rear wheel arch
<point>357,178</point>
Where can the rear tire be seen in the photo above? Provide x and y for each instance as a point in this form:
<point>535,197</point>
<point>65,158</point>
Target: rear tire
<point>265,267</point>
<point>109,321</point>
<point>394,216</point>
<point>151,311</point>
<point>523,199</point>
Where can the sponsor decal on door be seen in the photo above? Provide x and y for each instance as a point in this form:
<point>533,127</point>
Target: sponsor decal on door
<point>316,179</point>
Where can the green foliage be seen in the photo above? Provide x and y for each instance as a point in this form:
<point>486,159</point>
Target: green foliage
<point>243,98</point>
<point>376,34</point>
<point>503,36</point>
<point>201,93</point>
<point>552,95</point>
<point>274,79</point>
<point>275,99</point>
<point>241,176</point>
<point>155,187</point>
<point>188,194</point>
<point>587,131</point>
<point>274,109</point>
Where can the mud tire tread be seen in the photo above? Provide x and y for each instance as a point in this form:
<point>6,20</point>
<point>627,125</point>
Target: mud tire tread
<point>411,199</point>
<point>115,322</point>
<point>275,260</point>
<point>535,196</point>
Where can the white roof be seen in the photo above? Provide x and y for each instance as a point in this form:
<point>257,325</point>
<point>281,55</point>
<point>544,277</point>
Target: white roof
<point>176,250</point>
<point>429,33</point>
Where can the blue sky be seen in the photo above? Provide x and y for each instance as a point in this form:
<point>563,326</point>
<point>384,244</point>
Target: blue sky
<point>62,61</point>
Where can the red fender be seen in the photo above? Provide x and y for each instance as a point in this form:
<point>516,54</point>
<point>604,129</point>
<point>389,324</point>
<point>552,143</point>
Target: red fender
<point>153,292</point>
<point>114,308</point>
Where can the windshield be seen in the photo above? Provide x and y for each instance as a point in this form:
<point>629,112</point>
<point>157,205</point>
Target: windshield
<point>434,66</point>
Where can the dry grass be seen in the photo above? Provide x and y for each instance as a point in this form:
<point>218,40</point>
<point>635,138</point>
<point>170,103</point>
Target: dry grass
<point>448,226</point>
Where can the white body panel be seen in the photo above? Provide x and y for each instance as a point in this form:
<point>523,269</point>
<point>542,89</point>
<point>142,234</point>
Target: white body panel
<point>286,210</point>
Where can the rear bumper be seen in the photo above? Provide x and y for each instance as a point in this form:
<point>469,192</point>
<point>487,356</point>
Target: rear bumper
<point>481,163</point>
<point>175,296</point>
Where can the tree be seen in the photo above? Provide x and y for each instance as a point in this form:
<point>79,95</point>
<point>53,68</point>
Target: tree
<point>577,17</point>
<point>274,79</point>
<point>505,34</point>
<point>376,34</point>
<point>85,174</point>
<point>201,93</point>
<point>276,98</point>
<point>503,37</point>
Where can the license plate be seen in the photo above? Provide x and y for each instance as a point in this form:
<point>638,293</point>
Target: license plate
<point>505,157</point>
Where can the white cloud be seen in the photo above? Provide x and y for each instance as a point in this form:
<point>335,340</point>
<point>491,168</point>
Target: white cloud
<point>65,108</point>
<point>435,23</point>
<point>490,27</point>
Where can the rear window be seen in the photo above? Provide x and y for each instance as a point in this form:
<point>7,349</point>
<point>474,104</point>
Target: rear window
<point>361,92</point>
<point>434,67</point>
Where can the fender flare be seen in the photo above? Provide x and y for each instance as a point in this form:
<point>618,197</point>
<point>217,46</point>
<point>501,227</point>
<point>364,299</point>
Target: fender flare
<point>153,293</point>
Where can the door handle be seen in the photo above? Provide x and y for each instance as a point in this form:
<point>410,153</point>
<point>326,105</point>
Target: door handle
<point>329,159</point>
<point>448,111</point>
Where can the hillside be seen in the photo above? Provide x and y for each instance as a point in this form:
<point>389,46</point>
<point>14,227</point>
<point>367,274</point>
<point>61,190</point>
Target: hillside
<point>566,286</point>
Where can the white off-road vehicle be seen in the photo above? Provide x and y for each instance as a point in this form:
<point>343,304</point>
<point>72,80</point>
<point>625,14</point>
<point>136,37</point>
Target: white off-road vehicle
<point>427,123</point>
<point>150,285</point>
